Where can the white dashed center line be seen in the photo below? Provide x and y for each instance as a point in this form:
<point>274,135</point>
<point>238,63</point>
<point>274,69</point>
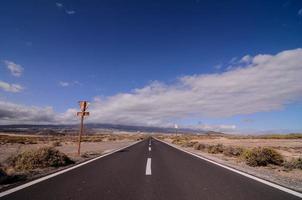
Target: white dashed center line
<point>149,148</point>
<point>148,167</point>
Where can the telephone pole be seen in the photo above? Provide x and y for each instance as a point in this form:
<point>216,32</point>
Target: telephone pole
<point>82,114</point>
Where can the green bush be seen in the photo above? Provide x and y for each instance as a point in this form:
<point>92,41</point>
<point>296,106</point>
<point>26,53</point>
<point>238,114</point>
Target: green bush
<point>262,157</point>
<point>40,158</point>
<point>214,149</point>
<point>232,151</point>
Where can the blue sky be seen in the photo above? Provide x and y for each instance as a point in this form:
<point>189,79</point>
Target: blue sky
<point>96,50</point>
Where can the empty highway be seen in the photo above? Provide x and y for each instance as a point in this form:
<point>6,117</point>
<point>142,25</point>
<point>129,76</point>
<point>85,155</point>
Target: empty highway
<point>150,170</point>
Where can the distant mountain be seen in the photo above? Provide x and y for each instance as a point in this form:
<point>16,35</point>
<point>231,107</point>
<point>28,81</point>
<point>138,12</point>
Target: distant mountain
<point>71,128</point>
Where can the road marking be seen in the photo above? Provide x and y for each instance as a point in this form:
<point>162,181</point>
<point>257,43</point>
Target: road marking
<point>149,148</point>
<point>7,192</point>
<point>148,167</point>
<point>274,185</point>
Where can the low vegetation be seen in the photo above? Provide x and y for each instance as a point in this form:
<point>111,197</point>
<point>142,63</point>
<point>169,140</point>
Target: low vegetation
<point>232,151</point>
<point>295,163</point>
<point>56,144</point>
<point>40,158</point>
<point>189,144</point>
<point>262,157</point>
<point>267,136</point>
<point>214,149</point>
<point>200,146</point>
<point>57,140</point>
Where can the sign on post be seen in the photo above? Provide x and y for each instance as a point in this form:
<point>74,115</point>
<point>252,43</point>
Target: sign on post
<point>82,114</point>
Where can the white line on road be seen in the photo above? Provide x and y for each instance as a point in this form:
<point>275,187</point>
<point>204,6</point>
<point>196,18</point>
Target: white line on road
<point>279,187</point>
<point>149,148</point>
<point>148,167</point>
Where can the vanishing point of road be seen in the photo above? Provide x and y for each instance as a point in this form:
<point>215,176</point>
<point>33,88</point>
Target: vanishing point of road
<point>150,170</point>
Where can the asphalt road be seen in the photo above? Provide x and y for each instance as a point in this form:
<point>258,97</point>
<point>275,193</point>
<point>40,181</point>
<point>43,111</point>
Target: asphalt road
<point>138,173</point>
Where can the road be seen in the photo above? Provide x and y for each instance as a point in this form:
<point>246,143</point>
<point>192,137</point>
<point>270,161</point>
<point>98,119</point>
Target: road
<point>157,171</point>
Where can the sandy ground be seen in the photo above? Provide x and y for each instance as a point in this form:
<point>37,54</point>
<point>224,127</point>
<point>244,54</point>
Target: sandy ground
<point>69,148</point>
<point>290,148</point>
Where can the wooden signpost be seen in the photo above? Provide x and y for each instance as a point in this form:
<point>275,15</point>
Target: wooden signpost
<point>82,114</point>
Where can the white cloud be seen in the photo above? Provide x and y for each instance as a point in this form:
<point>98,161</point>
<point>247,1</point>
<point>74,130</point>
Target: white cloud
<point>11,113</point>
<point>70,12</point>
<point>59,5</point>
<point>266,83</point>
<point>246,59</point>
<point>269,82</point>
<point>10,87</point>
<point>15,69</point>
<point>218,128</point>
<point>64,84</point>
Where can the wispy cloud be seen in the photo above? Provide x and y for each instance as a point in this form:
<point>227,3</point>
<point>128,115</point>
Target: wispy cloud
<point>15,69</point>
<point>70,12</point>
<point>62,7</point>
<point>67,84</point>
<point>10,87</point>
<point>64,84</point>
<point>59,5</point>
<point>248,120</point>
<point>218,128</point>
<point>300,12</point>
<point>219,66</point>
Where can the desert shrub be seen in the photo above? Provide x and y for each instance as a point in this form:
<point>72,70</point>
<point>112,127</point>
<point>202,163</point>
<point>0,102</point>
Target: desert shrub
<point>189,144</point>
<point>295,163</point>
<point>92,139</point>
<point>56,144</point>
<point>5,139</point>
<point>232,151</point>
<point>179,141</point>
<point>214,149</point>
<point>262,157</point>
<point>200,146</point>
<point>40,158</point>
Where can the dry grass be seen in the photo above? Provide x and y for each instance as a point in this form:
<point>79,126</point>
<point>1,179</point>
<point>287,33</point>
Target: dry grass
<point>262,157</point>
<point>295,163</point>
<point>268,136</point>
<point>251,154</point>
<point>214,149</point>
<point>56,144</point>
<point>233,151</point>
<point>40,158</point>
<point>200,146</point>
<point>5,139</point>
<point>33,139</point>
